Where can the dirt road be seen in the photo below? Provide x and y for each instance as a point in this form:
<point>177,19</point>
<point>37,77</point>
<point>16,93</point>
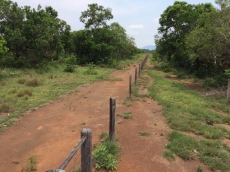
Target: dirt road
<point>50,132</point>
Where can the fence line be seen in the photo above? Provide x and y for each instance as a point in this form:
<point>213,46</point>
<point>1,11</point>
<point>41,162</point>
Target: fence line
<point>141,66</point>
<point>86,134</point>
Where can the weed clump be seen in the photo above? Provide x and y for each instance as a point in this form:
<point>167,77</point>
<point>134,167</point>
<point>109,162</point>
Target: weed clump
<point>33,83</point>
<point>31,165</point>
<point>4,108</point>
<point>106,154</point>
<point>24,93</point>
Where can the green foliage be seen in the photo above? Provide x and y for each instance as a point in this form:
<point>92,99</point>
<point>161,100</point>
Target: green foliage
<point>105,156</point>
<point>69,68</point>
<point>3,48</point>
<point>32,34</point>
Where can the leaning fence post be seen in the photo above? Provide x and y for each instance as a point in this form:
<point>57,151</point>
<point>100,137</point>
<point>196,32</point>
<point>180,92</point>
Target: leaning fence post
<point>228,91</point>
<point>86,150</point>
<point>112,120</point>
<point>135,76</point>
<point>130,86</point>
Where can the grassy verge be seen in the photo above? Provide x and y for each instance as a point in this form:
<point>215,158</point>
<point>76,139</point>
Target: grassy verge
<point>24,89</point>
<point>188,111</point>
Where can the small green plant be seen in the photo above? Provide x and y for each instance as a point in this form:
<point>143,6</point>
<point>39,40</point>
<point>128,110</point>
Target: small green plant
<point>127,115</point>
<point>168,155</point>
<point>31,165</point>
<point>144,133</point>
<point>105,156</point>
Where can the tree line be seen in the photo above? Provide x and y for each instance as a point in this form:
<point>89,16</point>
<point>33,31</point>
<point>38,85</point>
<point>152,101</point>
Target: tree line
<point>195,38</point>
<point>30,36</point>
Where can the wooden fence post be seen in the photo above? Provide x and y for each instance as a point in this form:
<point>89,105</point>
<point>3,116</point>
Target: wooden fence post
<point>112,120</point>
<point>86,150</point>
<point>135,76</point>
<point>139,70</point>
<point>228,91</point>
<point>130,86</point>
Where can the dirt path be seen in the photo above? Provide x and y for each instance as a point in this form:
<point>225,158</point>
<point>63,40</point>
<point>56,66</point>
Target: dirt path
<point>50,132</point>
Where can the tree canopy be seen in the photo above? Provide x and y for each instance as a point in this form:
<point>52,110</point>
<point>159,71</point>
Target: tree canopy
<point>31,36</point>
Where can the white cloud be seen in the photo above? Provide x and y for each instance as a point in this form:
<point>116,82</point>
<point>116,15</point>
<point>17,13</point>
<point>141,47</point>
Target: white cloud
<point>136,26</point>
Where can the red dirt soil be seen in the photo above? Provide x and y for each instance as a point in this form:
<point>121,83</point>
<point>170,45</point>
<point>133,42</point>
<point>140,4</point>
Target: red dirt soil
<point>50,132</point>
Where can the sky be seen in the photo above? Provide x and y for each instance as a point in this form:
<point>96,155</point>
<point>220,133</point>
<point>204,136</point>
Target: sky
<point>140,18</point>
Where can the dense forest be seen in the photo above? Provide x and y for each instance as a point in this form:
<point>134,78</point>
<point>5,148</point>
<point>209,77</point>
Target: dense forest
<point>29,37</point>
<point>196,38</point>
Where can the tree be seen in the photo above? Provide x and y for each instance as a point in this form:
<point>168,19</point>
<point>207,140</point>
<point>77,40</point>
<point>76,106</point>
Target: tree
<point>211,42</point>
<point>95,16</point>
<point>175,23</point>
<point>223,3</point>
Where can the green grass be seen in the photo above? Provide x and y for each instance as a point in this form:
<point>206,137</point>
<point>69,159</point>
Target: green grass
<point>24,89</point>
<point>188,111</point>
<point>127,115</point>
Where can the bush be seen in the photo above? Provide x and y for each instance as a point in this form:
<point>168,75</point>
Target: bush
<point>69,68</point>
<point>167,67</point>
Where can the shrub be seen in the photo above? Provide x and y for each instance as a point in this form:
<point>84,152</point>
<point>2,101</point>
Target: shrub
<point>69,68</point>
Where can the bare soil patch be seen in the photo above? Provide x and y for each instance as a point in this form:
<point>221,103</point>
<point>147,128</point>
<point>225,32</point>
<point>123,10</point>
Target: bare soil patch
<point>50,132</point>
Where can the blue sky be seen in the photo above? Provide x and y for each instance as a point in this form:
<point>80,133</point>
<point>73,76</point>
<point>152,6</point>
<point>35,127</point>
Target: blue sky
<point>138,17</point>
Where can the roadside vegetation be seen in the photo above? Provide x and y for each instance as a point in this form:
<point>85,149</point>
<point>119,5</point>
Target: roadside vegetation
<point>106,153</point>
<point>201,123</point>
<point>192,43</point>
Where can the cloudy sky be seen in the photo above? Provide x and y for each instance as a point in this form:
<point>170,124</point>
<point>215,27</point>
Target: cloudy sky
<point>138,17</point>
